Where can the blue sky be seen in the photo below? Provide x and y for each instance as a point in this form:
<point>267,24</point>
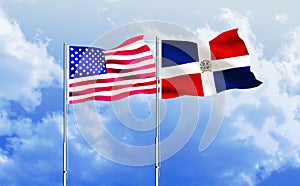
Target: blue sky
<point>258,144</point>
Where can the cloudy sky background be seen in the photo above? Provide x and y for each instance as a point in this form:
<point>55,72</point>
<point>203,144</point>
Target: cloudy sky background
<point>259,142</point>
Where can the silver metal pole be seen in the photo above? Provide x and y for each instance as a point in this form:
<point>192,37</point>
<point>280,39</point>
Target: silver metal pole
<point>65,130</point>
<point>157,116</point>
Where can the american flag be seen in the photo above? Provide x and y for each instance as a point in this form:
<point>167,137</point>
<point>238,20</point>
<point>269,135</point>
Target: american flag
<point>108,75</point>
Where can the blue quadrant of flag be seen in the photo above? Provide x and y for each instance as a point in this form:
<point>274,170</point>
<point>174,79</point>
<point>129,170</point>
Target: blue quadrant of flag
<point>86,61</point>
<point>178,52</point>
<point>240,78</point>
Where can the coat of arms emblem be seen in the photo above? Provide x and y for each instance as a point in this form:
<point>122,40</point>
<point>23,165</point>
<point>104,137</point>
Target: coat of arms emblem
<point>205,65</point>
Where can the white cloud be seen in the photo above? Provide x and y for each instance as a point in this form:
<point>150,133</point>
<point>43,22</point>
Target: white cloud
<point>34,149</point>
<point>206,34</point>
<point>281,18</point>
<point>265,118</point>
<point>28,143</point>
<point>3,157</point>
<point>288,63</point>
<point>234,20</point>
<point>247,179</point>
<point>260,137</point>
<point>26,66</point>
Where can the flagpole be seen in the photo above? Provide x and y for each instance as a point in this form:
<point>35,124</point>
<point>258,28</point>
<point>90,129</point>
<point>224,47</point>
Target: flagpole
<point>65,130</point>
<point>157,116</point>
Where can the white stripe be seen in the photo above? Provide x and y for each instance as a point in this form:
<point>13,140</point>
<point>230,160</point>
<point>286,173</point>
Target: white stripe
<point>129,66</point>
<point>194,67</point>
<point>228,63</point>
<point>178,70</point>
<point>208,84</point>
<point>111,84</point>
<point>112,75</point>
<point>113,92</point>
<point>128,57</point>
<point>132,46</point>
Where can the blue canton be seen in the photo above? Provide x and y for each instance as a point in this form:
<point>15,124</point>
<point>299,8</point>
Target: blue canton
<point>86,61</point>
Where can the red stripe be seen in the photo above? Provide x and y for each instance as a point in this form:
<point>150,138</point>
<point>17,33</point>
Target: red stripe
<point>126,62</point>
<point>129,52</point>
<point>227,44</point>
<point>87,82</point>
<point>130,69</point>
<point>110,88</point>
<point>189,84</point>
<point>115,97</point>
<point>130,41</point>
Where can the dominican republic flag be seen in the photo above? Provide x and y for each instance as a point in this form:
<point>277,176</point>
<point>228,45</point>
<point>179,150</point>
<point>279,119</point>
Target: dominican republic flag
<point>108,75</point>
<point>182,72</point>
